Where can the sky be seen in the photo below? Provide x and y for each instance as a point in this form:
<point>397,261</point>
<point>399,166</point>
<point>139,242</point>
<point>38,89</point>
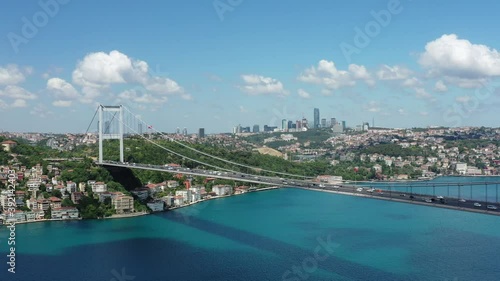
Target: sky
<point>219,63</point>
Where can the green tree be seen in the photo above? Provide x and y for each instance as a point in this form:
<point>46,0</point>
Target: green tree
<point>48,213</point>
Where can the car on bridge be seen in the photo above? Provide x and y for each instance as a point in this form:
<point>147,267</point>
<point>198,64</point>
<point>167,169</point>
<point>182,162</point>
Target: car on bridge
<point>492,207</point>
<point>477,204</point>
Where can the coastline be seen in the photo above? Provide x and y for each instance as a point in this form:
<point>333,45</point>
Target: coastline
<point>138,214</point>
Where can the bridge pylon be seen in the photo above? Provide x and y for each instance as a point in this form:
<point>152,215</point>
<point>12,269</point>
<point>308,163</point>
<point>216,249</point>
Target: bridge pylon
<point>106,134</point>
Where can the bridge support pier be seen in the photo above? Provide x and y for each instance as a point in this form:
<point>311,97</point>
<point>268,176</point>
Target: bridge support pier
<point>104,133</point>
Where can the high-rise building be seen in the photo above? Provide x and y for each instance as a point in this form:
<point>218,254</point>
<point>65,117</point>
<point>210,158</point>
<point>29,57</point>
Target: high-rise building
<point>139,129</point>
<point>255,129</point>
<point>290,124</point>
<point>298,125</point>
<point>201,133</point>
<point>284,125</point>
<point>316,118</point>
<point>344,125</point>
<point>185,131</point>
<point>304,123</point>
<point>333,121</point>
<point>178,131</point>
<point>323,123</point>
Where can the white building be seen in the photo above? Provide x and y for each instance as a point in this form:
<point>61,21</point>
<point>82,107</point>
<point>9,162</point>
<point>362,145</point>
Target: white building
<point>70,187</point>
<point>222,190</point>
<point>99,187</point>
<point>156,206</point>
<point>186,195</point>
<point>461,168</point>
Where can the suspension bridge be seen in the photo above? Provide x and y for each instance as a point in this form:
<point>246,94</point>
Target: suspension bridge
<point>119,123</point>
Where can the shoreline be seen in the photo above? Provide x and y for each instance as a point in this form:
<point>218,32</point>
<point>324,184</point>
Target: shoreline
<point>144,213</point>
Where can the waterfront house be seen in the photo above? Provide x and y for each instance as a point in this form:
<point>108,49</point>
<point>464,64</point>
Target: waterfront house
<point>186,195</point>
<point>178,200</point>
<point>55,202</point>
<point>123,204</point>
<point>19,216</point>
<point>221,190</point>
<point>35,215</point>
<point>169,200</point>
<point>65,213</point>
<point>44,204</point>
<point>156,206</point>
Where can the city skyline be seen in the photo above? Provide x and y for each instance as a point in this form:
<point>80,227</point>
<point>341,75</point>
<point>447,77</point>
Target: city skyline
<point>380,60</point>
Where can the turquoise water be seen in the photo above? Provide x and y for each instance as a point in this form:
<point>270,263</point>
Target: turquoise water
<point>482,188</point>
<point>271,235</point>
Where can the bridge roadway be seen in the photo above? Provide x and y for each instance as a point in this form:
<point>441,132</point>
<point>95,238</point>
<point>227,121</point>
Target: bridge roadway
<point>353,190</point>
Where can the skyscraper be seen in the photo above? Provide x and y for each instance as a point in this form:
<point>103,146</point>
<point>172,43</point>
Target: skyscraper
<point>201,133</point>
<point>316,118</point>
<point>284,125</point>
<point>255,128</point>
<point>333,121</point>
<point>185,131</point>
<point>323,123</point>
<point>140,128</point>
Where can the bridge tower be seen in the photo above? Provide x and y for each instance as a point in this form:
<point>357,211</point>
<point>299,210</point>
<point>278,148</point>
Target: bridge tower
<point>107,134</point>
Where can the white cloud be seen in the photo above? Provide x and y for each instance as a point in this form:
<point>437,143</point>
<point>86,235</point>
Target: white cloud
<point>19,103</point>
<point>440,87</point>
<point>412,82</point>
<point>454,57</point>
<point>62,89</point>
<point>140,97</point>
<point>243,109</point>
<point>162,85</point>
<point>62,103</point>
<point>16,92</point>
<point>258,85</point>
<point>98,71</point>
<point>422,93</point>
<point>402,111</point>
<point>463,99</point>
<point>11,74</point>
<point>303,94</point>
<point>3,105</point>
<point>393,73</point>
<point>372,106</point>
<point>424,113</point>
<point>327,74</point>
<point>41,111</point>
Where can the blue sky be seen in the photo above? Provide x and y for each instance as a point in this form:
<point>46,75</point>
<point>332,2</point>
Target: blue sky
<point>217,64</point>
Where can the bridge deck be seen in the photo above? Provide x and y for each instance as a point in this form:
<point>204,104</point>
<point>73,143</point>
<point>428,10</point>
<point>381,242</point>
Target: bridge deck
<point>352,190</point>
